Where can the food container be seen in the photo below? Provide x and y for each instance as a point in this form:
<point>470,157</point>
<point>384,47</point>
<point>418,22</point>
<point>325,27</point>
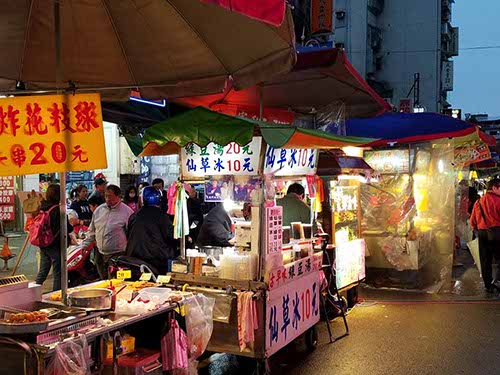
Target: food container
<point>307,231</point>
<point>91,299</point>
<point>196,264</point>
<point>142,361</point>
<point>297,230</point>
<point>286,235</point>
<point>213,251</point>
<point>22,328</point>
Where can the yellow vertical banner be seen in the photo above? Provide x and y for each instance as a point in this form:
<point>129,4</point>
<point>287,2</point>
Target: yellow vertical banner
<point>51,133</point>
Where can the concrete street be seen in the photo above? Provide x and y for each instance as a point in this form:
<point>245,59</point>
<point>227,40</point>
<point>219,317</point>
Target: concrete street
<point>28,265</point>
<point>386,338</point>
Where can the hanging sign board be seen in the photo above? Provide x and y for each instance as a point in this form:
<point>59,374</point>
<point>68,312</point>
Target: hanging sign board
<point>290,311</point>
<point>290,162</point>
<point>466,156</point>
<point>51,133</point>
<point>389,161</point>
<point>216,160</point>
<point>321,16</point>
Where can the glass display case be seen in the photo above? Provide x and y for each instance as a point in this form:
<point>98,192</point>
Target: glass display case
<point>344,197</point>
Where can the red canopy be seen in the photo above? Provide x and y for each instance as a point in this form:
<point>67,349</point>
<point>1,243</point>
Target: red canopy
<point>270,11</point>
<point>319,81</point>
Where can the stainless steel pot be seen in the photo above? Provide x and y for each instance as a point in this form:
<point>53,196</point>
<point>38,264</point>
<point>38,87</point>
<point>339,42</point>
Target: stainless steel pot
<point>91,299</point>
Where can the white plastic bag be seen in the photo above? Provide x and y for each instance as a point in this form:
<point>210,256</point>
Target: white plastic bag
<point>474,250</point>
<point>71,358</point>
<point>199,326</point>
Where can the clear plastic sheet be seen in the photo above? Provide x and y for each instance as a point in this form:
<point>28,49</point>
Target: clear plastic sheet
<point>408,220</point>
<point>71,358</point>
<point>199,327</point>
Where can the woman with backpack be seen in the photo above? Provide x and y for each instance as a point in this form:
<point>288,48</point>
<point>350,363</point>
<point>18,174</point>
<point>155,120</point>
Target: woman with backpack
<point>50,248</point>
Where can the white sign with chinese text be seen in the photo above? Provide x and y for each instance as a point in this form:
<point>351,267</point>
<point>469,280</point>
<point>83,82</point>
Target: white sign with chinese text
<point>215,160</point>
<point>389,161</point>
<point>350,263</point>
<point>291,310</point>
<point>274,229</point>
<point>290,162</point>
<point>295,270</point>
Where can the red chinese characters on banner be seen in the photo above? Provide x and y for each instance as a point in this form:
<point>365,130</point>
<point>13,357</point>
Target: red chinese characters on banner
<point>9,120</point>
<point>58,120</point>
<point>86,116</point>
<point>59,117</point>
<point>51,133</point>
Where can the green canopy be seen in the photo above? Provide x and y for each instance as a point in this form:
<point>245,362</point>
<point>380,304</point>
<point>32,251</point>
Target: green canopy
<point>202,126</point>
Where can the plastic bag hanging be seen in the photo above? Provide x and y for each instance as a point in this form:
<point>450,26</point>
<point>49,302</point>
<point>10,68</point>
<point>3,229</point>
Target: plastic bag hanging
<point>174,348</point>
<point>71,358</point>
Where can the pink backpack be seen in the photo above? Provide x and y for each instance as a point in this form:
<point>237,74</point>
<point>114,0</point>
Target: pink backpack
<point>40,231</point>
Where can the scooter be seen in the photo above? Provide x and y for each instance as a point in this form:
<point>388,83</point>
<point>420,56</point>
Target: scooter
<point>81,269</point>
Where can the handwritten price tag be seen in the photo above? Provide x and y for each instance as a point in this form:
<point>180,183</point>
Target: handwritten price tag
<point>162,279</point>
<point>146,276</point>
<point>123,274</point>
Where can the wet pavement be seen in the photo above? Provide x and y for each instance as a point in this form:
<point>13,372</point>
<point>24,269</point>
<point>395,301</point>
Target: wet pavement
<point>452,331</point>
<point>394,338</point>
<point>28,264</point>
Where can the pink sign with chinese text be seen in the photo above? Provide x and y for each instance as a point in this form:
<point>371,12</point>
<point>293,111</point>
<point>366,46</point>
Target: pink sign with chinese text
<point>291,310</point>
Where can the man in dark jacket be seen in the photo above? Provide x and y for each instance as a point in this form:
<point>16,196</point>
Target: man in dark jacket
<point>195,216</point>
<point>150,233</point>
<point>216,229</point>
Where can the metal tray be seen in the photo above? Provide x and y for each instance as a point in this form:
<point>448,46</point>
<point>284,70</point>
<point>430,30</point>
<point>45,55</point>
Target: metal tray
<point>23,328</point>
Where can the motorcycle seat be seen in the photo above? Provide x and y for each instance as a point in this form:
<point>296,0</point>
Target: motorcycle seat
<point>128,261</point>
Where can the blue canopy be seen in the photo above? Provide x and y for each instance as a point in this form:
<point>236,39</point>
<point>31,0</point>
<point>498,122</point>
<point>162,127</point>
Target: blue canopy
<point>410,128</point>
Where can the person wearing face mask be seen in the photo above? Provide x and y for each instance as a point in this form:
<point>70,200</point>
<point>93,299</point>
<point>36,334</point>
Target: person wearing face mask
<point>131,198</point>
<point>109,229</point>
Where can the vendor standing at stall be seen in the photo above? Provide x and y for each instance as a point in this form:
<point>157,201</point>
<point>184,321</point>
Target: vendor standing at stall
<point>151,233</point>
<point>195,215</point>
<point>216,228</point>
<point>99,189</point>
<point>109,229</point>
<point>294,207</point>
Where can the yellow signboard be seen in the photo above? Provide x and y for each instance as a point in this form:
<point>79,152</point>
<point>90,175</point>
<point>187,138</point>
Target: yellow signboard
<point>51,133</point>
<point>123,274</point>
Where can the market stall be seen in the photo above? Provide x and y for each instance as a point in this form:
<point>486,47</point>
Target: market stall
<point>273,268</point>
<point>341,215</point>
<point>111,323</point>
<point>408,210</point>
